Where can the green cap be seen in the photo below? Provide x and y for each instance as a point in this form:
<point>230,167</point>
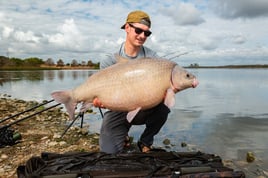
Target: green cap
<point>138,17</point>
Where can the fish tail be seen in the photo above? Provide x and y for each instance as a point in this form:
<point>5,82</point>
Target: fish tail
<point>65,98</point>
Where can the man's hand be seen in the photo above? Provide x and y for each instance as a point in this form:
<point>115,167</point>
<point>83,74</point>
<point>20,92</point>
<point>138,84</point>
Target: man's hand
<point>97,103</point>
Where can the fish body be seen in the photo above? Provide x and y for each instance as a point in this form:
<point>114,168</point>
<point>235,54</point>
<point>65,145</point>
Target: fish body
<point>129,85</point>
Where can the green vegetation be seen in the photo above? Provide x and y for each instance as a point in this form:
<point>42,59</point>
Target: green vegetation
<point>33,63</point>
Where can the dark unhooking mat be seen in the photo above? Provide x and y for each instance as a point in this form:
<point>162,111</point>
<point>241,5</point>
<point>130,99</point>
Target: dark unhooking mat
<point>154,164</point>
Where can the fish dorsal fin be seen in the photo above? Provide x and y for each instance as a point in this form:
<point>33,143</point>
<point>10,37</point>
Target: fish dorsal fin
<point>120,59</point>
<point>170,98</point>
<point>132,114</point>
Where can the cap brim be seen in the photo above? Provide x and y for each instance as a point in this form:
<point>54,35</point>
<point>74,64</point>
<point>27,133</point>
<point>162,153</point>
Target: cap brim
<point>123,26</point>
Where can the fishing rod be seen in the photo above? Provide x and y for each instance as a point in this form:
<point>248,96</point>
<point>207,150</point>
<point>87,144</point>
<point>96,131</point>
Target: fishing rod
<point>101,112</point>
<point>168,54</point>
<point>8,136</point>
<point>178,55</point>
<point>17,121</point>
<point>81,114</point>
<point>15,115</point>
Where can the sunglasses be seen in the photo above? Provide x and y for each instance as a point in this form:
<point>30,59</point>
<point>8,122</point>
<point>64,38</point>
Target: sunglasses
<point>139,30</point>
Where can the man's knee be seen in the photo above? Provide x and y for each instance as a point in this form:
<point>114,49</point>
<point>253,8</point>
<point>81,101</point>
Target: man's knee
<point>163,108</point>
<point>161,112</point>
<point>113,131</point>
<point>108,144</point>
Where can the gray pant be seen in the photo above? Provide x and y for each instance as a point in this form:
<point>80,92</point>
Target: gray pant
<point>115,127</point>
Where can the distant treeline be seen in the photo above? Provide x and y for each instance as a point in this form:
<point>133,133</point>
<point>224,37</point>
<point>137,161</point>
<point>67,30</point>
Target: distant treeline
<point>37,63</point>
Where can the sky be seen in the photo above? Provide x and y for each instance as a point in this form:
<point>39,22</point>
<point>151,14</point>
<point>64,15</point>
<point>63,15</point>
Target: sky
<point>205,32</point>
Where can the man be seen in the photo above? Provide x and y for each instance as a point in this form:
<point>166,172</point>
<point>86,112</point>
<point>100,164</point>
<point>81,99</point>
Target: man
<point>115,127</point>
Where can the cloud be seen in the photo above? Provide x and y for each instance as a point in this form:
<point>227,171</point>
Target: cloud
<point>184,14</point>
<point>68,36</point>
<point>239,39</point>
<point>231,9</point>
<point>7,31</point>
<point>85,29</point>
<point>28,36</point>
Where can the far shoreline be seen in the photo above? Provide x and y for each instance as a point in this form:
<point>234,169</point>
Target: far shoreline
<point>247,66</point>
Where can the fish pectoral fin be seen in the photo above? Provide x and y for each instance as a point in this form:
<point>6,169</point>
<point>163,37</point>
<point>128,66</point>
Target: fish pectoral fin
<point>61,96</point>
<point>85,106</point>
<point>132,114</point>
<point>70,107</point>
<point>65,98</point>
<point>170,98</point>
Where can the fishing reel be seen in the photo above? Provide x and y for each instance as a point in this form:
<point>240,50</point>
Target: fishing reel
<point>8,137</point>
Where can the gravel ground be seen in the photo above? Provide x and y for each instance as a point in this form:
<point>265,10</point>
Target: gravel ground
<point>40,133</point>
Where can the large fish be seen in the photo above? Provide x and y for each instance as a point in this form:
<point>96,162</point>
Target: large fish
<point>129,85</point>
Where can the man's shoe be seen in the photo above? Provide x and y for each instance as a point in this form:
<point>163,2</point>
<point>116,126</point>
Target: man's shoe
<point>143,148</point>
<point>127,143</point>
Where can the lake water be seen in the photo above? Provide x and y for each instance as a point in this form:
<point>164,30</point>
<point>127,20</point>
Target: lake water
<point>226,114</point>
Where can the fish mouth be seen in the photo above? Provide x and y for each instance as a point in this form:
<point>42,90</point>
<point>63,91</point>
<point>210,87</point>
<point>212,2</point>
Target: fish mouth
<point>195,83</point>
